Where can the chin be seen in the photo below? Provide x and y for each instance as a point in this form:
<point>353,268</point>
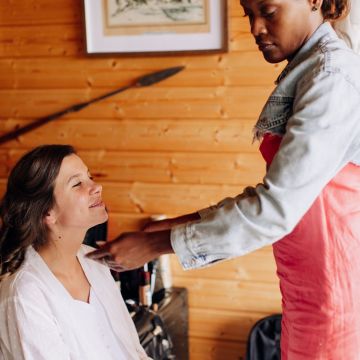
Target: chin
<point>273,58</point>
<point>105,217</point>
<point>100,219</point>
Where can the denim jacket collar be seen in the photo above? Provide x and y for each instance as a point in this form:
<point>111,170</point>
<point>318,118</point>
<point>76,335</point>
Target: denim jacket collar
<point>324,31</point>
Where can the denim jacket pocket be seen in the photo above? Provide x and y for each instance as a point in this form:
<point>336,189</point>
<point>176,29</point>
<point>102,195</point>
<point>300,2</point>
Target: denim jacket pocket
<point>274,116</point>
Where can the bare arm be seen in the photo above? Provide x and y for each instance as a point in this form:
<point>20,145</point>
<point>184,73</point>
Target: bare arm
<point>167,224</point>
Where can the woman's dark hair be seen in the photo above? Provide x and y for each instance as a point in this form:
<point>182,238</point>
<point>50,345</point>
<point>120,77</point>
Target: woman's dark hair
<point>28,198</point>
<point>334,9</point>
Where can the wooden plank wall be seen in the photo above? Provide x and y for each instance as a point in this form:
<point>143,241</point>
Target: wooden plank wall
<point>172,148</point>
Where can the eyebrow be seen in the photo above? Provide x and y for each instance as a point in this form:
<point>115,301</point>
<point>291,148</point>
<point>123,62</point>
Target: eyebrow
<point>77,175</point>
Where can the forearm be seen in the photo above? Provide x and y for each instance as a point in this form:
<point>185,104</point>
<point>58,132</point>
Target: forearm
<point>159,242</point>
<point>167,224</point>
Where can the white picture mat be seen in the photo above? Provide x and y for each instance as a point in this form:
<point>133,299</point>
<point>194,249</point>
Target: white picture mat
<point>97,42</point>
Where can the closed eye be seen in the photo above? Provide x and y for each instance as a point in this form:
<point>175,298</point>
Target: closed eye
<point>268,11</point>
<point>269,15</point>
<point>77,184</point>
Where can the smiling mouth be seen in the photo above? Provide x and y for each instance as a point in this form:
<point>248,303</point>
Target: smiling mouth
<point>98,203</point>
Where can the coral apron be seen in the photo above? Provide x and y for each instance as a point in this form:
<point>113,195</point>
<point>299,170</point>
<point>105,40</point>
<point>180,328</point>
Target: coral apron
<point>318,265</point>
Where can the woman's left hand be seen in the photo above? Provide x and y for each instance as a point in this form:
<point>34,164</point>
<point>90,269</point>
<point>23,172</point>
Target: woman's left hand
<point>133,249</point>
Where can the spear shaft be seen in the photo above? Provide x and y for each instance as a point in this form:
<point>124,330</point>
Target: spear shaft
<point>146,80</point>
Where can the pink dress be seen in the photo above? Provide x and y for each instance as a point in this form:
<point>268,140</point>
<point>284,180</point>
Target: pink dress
<point>318,265</point>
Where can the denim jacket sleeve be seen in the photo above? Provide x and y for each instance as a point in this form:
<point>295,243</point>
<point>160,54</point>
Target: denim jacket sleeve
<point>348,29</point>
<point>321,137</point>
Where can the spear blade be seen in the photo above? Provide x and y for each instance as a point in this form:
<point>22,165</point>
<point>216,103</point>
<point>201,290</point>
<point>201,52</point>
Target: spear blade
<point>158,76</point>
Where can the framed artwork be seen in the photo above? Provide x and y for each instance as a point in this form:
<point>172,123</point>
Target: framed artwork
<point>155,26</point>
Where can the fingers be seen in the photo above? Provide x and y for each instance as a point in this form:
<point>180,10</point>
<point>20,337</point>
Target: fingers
<point>114,265</point>
<point>99,254</point>
<point>100,243</point>
<point>104,257</point>
<point>128,251</point>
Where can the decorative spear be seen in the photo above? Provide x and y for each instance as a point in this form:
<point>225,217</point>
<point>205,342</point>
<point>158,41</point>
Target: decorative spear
<point>143,81</point>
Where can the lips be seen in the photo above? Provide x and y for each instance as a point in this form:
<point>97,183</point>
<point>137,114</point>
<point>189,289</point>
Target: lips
<point>97,203</point>
<point>263,46</point>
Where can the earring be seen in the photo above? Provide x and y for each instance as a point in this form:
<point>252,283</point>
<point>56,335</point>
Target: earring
<point>314,8</point>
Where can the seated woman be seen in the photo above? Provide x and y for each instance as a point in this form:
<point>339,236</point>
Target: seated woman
<point>54,302</point>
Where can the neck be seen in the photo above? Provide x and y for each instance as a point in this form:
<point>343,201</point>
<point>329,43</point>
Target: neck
<point>60,254</point>
<point>313,29</point>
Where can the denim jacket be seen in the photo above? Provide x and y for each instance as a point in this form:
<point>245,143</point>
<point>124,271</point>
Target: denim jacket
<point>315,107</point>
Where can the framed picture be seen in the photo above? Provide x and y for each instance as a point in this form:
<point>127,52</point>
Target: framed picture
<point>155,26</point>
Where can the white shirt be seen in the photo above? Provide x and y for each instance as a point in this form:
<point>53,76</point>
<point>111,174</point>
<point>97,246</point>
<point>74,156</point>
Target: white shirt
<point>96,331</point>
<point>41,321</point>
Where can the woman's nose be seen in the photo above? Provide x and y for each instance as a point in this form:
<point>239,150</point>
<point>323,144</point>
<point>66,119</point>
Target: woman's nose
<point>258,26</point>
<point>96,188</point>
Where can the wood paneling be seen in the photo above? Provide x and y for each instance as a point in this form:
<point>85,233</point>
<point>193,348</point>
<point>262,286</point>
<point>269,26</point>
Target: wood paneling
<point>210,349</point>
<point>172,148</point>
<point>256,267</point>
<point>161,167</point>
<point>52,40</point>
<point>153,103</point>
<point>236,69</point>
<point>222,324</point>
<point>36,12</point>
<point>231,295</point>
<point>190,135</point>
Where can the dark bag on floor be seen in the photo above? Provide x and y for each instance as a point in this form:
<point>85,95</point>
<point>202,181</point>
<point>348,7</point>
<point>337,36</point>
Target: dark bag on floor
<point>264,339</point>
<point>153,336</point>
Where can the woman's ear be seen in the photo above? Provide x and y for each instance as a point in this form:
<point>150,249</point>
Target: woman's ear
<point>50,218</point>
<point>315,4</point>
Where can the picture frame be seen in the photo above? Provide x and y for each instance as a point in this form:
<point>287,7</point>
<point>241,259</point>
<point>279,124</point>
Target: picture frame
<point>155,27</point>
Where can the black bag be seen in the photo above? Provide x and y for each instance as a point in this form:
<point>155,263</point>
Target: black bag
<point>152,334</point>
<point>264,339</point>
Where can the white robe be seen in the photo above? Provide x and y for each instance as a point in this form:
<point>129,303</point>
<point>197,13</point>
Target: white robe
<point>38,319</point>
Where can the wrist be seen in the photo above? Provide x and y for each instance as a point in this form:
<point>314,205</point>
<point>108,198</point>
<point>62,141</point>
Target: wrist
<point>160,242</point>
<point>186,218</point>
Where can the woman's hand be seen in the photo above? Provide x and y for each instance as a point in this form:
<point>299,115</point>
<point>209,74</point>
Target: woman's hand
<point>132,250</point>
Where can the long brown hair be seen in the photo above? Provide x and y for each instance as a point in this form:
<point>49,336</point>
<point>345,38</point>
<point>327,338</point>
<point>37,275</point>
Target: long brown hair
<point>334,9</point>
<point>28,198</point>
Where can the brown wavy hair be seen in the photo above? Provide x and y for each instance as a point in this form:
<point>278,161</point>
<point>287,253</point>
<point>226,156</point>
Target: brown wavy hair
<point>335,9</point>
<point>28,198</point>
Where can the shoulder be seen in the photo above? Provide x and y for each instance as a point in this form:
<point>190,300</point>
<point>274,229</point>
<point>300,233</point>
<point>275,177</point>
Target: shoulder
<point>22,285</point>
<point>335,57</point>
<point>22,296</point>
<point>330,64</point>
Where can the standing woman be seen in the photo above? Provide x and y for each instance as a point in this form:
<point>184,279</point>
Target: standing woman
<point>55,304</point>
<point>308,205</point>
